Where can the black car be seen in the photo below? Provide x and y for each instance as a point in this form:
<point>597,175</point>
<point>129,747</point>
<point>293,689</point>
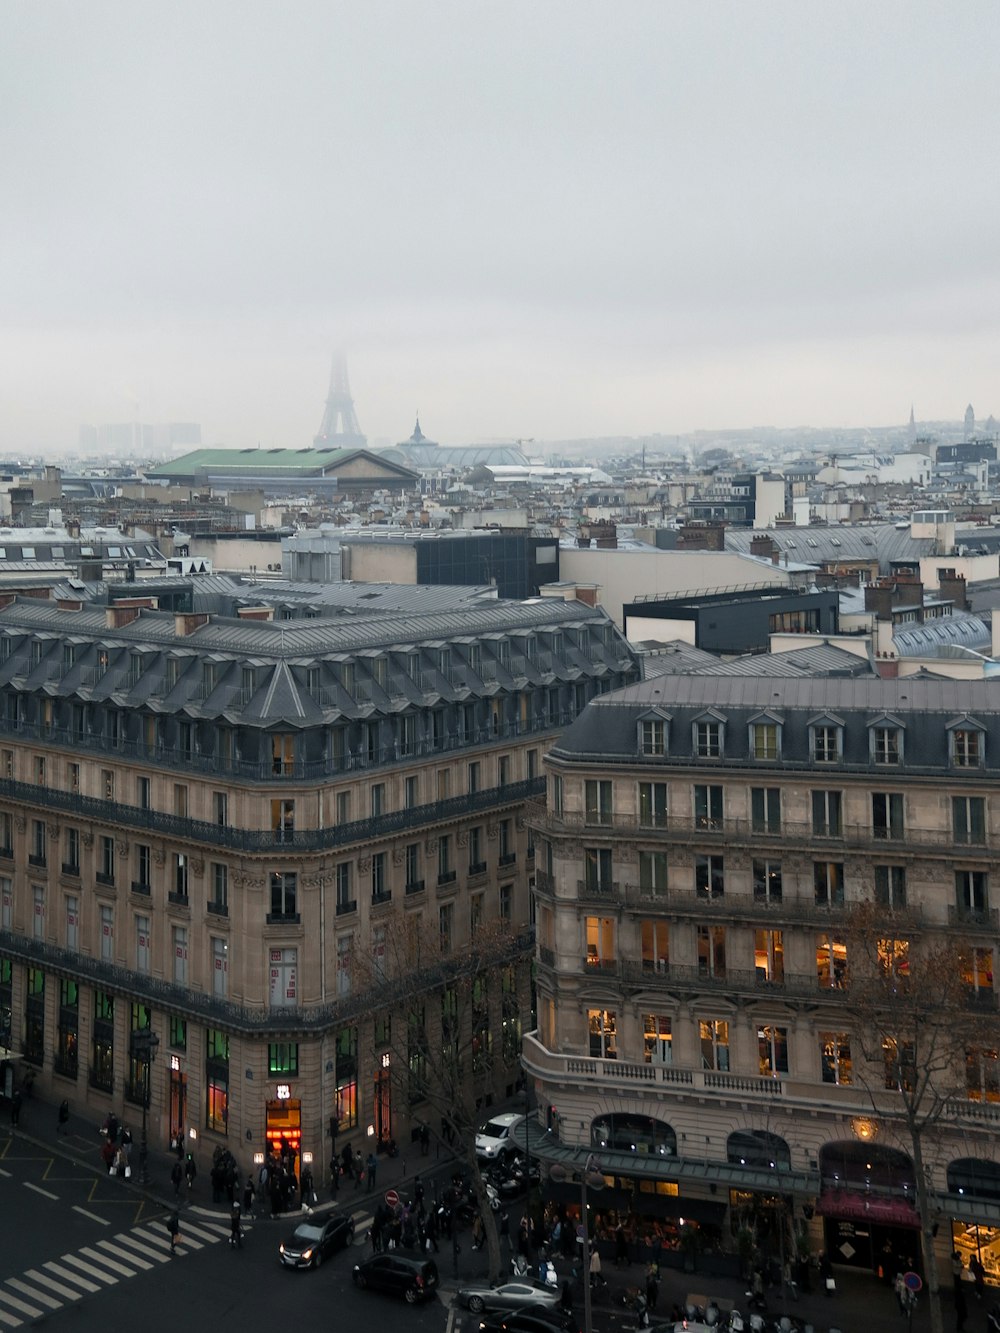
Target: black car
<point>312,1242</point>
<point>415,1279</point>
<point>532,1319</point>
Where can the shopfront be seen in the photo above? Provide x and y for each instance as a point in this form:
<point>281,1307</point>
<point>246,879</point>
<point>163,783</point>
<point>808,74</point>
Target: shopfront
<point>284,1125</point>
<point>866,1203</point>
<point>976,1182</point>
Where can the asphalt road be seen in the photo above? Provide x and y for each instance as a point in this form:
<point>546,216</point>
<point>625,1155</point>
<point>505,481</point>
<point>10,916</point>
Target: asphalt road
<point>80,1252</point>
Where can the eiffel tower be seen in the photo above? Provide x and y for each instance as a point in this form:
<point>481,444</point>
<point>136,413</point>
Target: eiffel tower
<point>339,428</point>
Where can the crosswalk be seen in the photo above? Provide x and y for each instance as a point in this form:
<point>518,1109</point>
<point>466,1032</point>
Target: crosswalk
<point>58,1283</point>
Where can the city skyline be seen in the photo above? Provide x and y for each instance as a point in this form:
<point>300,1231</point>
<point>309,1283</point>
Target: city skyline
<point>540,225</point>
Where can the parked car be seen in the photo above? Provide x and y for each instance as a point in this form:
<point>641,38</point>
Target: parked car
<point>312,1242</point>
<point>508,1296</point>
<point>532,1319</point>
<point>493,1141</point>
<point>414,1279</point>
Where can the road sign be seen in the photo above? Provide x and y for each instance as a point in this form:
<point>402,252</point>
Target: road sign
<point>391,1199</point>
<point>913,1282</point>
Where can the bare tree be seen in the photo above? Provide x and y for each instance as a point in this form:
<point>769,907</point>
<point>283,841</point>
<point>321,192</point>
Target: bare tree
<point>453,1034</point>
<point>914,1015</point>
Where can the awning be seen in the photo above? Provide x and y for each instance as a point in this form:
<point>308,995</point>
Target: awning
<point>7,1054</point>
<point>566,1191</point>
<point>707,1212</point>
<point>868,1208</point>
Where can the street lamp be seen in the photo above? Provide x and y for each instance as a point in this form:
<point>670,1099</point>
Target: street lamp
<point>145,1043</point>
<point>590,1177</point>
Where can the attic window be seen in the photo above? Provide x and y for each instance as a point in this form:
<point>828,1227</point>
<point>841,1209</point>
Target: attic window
<point>835,541</point>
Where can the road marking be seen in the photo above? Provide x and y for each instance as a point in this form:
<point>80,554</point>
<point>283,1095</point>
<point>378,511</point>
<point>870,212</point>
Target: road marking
<point>154,1238</point>
<point>94,1217</point>
<point>42,1296</point>
<point>29,1185</point>
<point>6,1174</point>
<point>96,1257</point>
<point>142,1264</point>
<point>107,1278</point>
<point>20,1306</point>
<point>126,1238</point>
<point>10,1320</point>
<point>71,1277</point>
<point>47,1281</point>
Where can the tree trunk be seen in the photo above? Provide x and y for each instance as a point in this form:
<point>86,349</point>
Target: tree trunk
<point>926,1233</point>
<point>486,1212</point>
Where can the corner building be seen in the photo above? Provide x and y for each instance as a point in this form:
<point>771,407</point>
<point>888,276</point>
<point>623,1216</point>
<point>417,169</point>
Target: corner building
<point>702,845</point>
<point>204,817</point>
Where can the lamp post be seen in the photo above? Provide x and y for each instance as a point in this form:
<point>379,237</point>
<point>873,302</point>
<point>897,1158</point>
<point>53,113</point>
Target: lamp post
<point>144,1047</point>
<point>590,1177</point>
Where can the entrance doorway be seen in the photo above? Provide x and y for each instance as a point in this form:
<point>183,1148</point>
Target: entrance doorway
<point>178,1103</point>
<point>383,1107</point>
<point>284,1131</point>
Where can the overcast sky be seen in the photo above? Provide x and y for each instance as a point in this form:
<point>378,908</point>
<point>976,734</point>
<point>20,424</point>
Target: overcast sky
<point>536,220</point>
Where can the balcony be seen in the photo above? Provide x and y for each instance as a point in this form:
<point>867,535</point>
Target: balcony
<point>71,868</point>
<point>281,918</point>
<point>178,899</point>
<point>508,859</point>
<point>36,860</point>
<point>346,907</point>
<point>139,887</point>
<point>447,877</point>
<point>102,877</point>
<point>414,886</point>
<point>381,896</point>
<point>605,967</point>
<point>598,890</point>
<point>477,868</point>
<point>979,918</point>
<point>217,909</point>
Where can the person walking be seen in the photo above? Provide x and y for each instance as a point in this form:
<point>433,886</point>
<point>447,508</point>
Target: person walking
<point>174,1227</point>
<point>621,1246</point>
<point>190,1171</point>
<point>652,1286</point>
<point>127,1145</point>
<point>359,1170</point>
<point>63,1117</point>
<point>176,1176</point>
<point>596,1276</point>
<point>978,1275</point>
<point>372,1171</point>
<point>15,1108</point>
<point>249,1195</point>
<point>235,1228</point>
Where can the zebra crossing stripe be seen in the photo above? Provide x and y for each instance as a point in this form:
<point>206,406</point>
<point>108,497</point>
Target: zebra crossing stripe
<point>108,1279</point>
<point>47,1281</point>
<point>96,1257</point>
<point>29,1310</point>
<point>126,1238</point>
<point>142,1264</point>
<point>67,1276</point>
<point>209,1231</point>
<point>153,1238</point>
<point>36,1295</point>
<point>9,1320</point>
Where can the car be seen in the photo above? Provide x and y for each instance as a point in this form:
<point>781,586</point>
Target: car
<point>312,1242</point>
<point>414,1279</point>
<point>508,1296</point>
<point>532,1319</point>
<point>493,1141</point>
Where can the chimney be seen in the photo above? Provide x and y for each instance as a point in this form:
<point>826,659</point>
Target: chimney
<point>124,612</point>
<point>909,592</point>
<point>953,589</point>
<point>763,546</point>
<point>69,604</point>
<point>878,599</point>
<point>187,624</point>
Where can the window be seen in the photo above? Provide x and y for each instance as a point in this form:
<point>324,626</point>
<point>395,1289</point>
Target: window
<point>968,819</point>
<point>345,951</point>
<point>557,797</point>
<point>283,756</point>
<point>503,770</point>
<point>477,863</point>
<point>887,745</point>
<point>966,748</point>
<point>714,1037</point>
<point>178,1034</point>
<point>446,927</point>
<point>766,881</point>
<point>597,869</point>
<point>827,817</point>
<point>603,1028</point>
<point>982,1074</point>
<point>72,924</point>
<point>652,805</point>
<point>380,884</point>
<point>476,913</point>
<point>73,777</point>
<point>899,1063</point>
<point>345,898</point>
<point>283,1059</point>
<point>711,951</point>
<point>652,737</point>
<point>343,807</point>
<point>37,855</point>
<point>506,849</point>
<point>764,738</point>
<point>283,821</point>
<point>835,1057</point>
<point>890,886</point>
<point>772,1051</point>
<point>708,740</point>
<point>219,901</point>
<point>831,961</point>
<point>180,800</point>
<point>142,945</point>
<point>407,735</point>
<point>826,744</point>
<point>106,874</point>
<point>598,802</point>
<point>708,807</point>
<point>506,901</point>
<point>709,876</point>
<point>657,1045</point>
<point>887,815</point>
<point>6,834</point>
<point>971,894</point>
<point>217,1080</point>
<point>38,912</point>
<point>411,860</point>
<point>410,793</point>
<point>474,777</point>
<point>284,886</point>
<point>445,872</point>
<point>377,799</point>
<point>653,872</point>
<point>283,970</point>
<point>600,933</point>
<point>346,1108</point>
<point>769,956</point>
<point>180,876</point>
<point>893,958</point>
<point>71,865</point>
<point>108,934</point>
<point>180,952</point>
<point>220,967</point>
<point>828,883</point>
<point>143,793</point>
<point>977,975</point>
<point>655,943</point>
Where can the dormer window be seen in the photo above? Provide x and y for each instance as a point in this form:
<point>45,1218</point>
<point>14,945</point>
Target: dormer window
<point>966,748</point>
<point>765,737</point>
<point>827,740</point>
<point>887,744</point>
<point>707,735</point>
<point>653,736</point>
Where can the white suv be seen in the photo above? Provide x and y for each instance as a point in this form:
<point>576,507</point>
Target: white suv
<point>493,1139</point>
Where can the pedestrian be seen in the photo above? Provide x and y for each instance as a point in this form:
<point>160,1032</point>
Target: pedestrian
<point>372,1171</point>
<point>978,1275</point>
<point>899,1287</point>
<point>249,1194</point>
<point>478,1232</point>
<point>621,1246</point>
<point>235,1228</point>
<point>63,1116</point>
<point>174,1227</point>
<point>15,1108</point>
<point>190,1171</point>
<point>826,1274</point>
<point>957,1268</point>
<point>127,1145</point>
<point>359,1170</point>
<point>652,1286</point>
<point>308,1188</point>
<point>176,1176</point>
<point>961,1310</point>
<point>596,1276</point>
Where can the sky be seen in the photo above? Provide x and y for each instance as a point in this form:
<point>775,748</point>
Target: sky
<point>525,220</point>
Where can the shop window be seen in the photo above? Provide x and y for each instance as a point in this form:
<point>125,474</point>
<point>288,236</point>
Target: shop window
<point>623,1132</point>
<point>346,1062</point>
<point>835,1057</point>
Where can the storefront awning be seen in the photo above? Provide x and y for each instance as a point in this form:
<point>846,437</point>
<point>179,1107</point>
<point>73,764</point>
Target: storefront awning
<point>853,1207</point>
<point>7,1054</point>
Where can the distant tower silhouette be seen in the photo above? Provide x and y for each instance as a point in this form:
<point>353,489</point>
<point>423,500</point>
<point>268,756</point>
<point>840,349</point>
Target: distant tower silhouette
<point>970,422</point>
<point>912,432</point>
<point>340,423</point>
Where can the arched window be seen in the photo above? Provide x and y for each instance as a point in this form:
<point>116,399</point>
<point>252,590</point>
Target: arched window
<point>974,1176</point>
<point>851,1163</point>
<point>758,1147</point>
<point>634,1133</point>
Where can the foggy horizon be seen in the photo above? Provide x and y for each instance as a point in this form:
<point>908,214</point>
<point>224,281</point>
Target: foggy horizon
<point>545,224</point>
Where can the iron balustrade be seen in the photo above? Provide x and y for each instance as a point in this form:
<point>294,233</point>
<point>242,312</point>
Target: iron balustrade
<point>262,840</point>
